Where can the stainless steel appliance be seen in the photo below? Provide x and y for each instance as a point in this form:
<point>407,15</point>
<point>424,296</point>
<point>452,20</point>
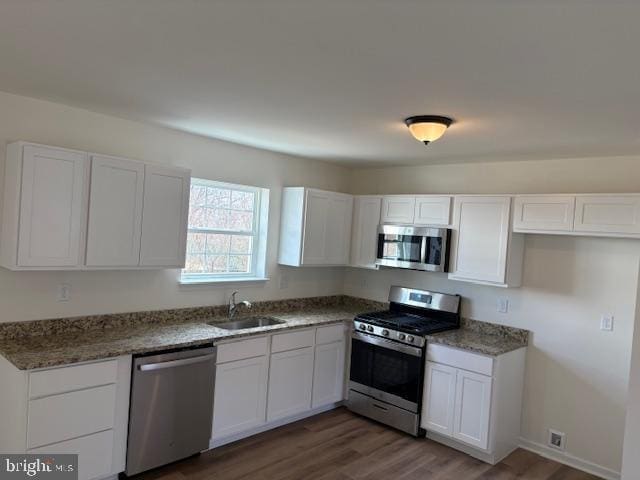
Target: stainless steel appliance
<point>171,407</point>
<point>388,355</point>
<point>417,248</point>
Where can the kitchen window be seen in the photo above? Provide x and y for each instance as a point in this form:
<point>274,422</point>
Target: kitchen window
<point>226,239</point>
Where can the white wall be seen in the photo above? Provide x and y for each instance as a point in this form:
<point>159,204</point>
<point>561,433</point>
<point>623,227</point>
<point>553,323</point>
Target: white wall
<point>32,295</point>
<point>631,459</point>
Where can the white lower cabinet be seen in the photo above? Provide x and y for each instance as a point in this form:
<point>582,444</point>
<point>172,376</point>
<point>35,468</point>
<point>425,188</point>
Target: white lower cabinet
<point>473,402</point>
<point>240,396</point>
<point>290,383</point>
<point>472,409</point>
<point>79,409</point>
<point>267,381</point>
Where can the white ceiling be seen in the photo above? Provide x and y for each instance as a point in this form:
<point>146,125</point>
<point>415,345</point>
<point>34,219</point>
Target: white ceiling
<point>334,79</point>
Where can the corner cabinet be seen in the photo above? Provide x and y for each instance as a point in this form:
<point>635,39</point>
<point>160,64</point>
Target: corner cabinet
<point>364,233</point>
<point>473,402</point>
<point>315,227</point>
<point>483,248</point>
<point>70,210</point>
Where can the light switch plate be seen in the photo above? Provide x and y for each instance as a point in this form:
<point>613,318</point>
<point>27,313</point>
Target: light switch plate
<point>64,292</point>
<point>502,305</point>
<point>606,323</point>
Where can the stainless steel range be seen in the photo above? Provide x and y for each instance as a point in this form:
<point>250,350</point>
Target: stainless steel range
<point>388,355</point>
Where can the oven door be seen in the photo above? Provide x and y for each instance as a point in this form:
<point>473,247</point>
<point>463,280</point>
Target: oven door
<point>386,370</point>
<point>418,248</point>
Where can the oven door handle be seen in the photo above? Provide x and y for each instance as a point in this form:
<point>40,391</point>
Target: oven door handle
<point>391,345</point>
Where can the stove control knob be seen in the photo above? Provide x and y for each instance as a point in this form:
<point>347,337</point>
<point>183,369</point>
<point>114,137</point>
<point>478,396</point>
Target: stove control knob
<point>410,338</point>
<point>385,333</point>
<point>401,336</point>
<point>369,328</point>
<point>362,326</point>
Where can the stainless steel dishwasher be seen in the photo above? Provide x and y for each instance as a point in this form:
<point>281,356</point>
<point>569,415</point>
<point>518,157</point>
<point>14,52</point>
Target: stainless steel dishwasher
<point>171,407</point>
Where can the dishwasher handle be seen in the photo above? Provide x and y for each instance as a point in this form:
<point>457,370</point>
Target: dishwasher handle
<point>176,363</point>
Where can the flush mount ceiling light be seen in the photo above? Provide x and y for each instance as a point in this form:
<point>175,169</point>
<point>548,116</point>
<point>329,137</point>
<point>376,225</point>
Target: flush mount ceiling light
<point>427,128</point>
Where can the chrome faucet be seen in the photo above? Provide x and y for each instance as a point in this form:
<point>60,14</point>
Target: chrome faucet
<point>233,306</point>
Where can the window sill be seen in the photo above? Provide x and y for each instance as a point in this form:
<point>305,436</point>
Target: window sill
<point>221,281</point>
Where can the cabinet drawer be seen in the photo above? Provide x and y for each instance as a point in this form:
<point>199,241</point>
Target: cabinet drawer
<point>292,341</point>
<point>70,415</point>
<point>66,379</point>
<point>254,347</point>
<point>94,453</point>
<point>330,334</point>
<point>460,359</point>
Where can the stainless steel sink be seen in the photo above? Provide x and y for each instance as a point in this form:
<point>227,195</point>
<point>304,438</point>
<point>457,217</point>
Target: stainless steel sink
<point>248,322</point>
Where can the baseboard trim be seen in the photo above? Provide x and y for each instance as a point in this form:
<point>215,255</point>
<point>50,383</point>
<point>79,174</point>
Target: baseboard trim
<point>569,460</point>
<point>214,443</point>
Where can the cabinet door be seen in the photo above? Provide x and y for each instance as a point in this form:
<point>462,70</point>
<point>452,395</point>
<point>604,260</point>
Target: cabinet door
<point>115,212</point>
<point>431,210</point>
<point>316,216</point>
<point>439,399</point>
<point>543,213</point>
<point>339,229</point>
<point>328,374</point>
<point>364,238</point>
<point>398,209</point>
<point>240,396</point>
<point>164,216</point>
<point>480,238</point>
<point>608,214</point>
<point>290,383</point>
<point>472,409</point>
<point>53,190</point>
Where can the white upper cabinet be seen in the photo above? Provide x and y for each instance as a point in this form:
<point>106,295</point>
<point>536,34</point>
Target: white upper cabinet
<point>44,207</point>
<point>65,209</point>
<point>416,210</point>
<point>432,210</point>
<point>364,234</point>
<point>165,216</point>
<point>398,209</point>
<point>115,212</point>
<point>608,214</point>
<point>543,213</point>
<point>483,248</point>
<point>315,227</point>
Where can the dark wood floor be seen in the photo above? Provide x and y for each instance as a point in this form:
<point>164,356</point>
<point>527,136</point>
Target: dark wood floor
<point>338,445</point>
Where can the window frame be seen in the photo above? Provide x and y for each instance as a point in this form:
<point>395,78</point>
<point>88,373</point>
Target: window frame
<point>260,212</point>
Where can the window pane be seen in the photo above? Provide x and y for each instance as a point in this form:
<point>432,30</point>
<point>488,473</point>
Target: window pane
<point>240,244</point>
<point>217,263</point>
<point>195,264</point>
<point>218,244</point>
<point>217,218</point>
<point>241,221</point>
<point>197,217</point>
<point>196,242</point>
<point>242,200</point>
<point>239,263</point>
<point>218,197</point>
<point>198,195</point>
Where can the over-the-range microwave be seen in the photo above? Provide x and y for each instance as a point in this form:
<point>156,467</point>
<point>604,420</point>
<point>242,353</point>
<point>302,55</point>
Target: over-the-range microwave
<point>416,248</point>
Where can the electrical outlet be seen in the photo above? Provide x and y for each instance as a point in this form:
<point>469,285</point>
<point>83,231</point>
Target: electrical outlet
<point>503,305</point>
<point>606,323</point>
<point>556,439</point>
<point>64,292</point>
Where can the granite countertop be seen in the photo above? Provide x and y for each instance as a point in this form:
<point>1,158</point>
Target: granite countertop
<point>39,351</point>
<point>45,344</point>
<point>482,337</point>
